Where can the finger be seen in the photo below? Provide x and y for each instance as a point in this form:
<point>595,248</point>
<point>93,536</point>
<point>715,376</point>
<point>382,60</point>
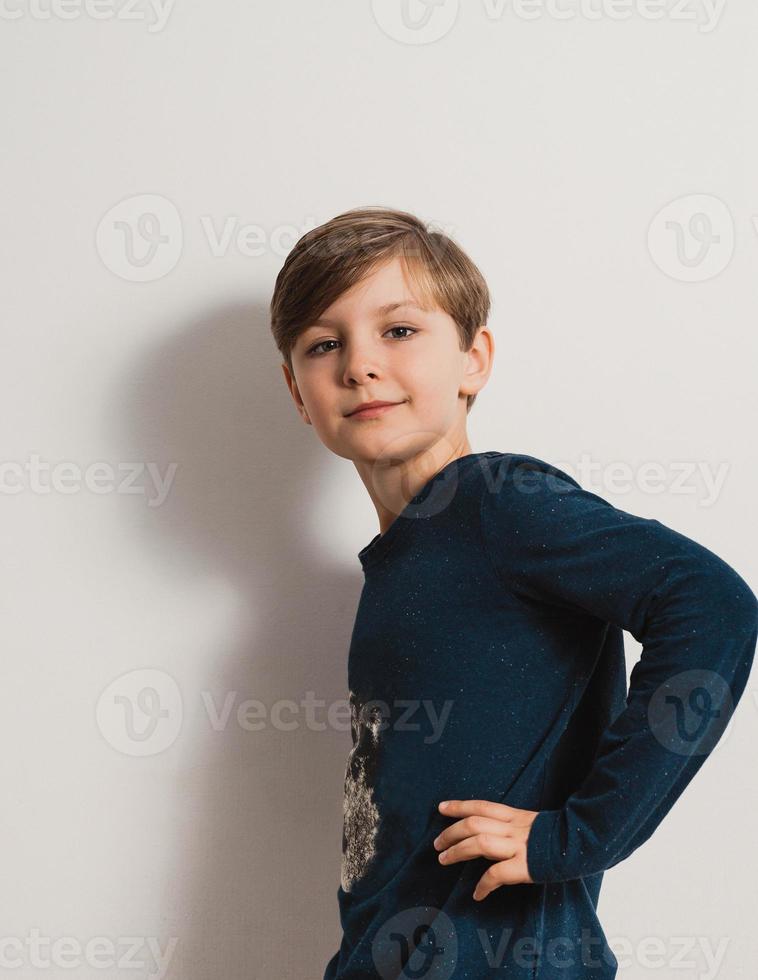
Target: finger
<point>487,808</point>
<point>469,826</point>
<point>481,845</point>
<point>503,873</point>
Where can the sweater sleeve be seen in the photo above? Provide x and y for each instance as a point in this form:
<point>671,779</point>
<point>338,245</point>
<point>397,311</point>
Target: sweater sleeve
<point>553,542</point>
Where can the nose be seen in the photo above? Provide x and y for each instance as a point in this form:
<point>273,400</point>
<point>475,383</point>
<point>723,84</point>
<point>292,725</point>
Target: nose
<point>360,364</point>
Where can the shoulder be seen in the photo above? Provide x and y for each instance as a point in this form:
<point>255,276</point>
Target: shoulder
<point>531,499</point>
<point>508,473</point>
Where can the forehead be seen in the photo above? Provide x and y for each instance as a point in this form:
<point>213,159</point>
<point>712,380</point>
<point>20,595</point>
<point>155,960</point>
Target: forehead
<point>380,292</point>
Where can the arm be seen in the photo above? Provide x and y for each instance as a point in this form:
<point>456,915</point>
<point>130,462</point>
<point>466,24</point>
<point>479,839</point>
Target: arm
<point>696,618</point>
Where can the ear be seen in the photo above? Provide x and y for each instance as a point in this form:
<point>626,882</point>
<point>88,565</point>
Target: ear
<point>292,385</point>
<point>478,361</point>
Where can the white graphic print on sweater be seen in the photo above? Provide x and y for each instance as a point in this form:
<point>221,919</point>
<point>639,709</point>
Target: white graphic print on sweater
<point>360,813</point>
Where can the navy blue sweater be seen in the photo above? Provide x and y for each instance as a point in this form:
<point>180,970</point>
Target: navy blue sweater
<point>487,662</point>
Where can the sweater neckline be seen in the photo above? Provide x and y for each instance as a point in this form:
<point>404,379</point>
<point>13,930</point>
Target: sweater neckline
<point>380,544</point>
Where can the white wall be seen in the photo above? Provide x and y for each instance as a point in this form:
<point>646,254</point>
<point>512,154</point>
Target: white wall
<point>548,147</point>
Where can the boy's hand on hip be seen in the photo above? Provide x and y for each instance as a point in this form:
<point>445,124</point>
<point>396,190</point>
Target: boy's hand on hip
<point>489,830</point>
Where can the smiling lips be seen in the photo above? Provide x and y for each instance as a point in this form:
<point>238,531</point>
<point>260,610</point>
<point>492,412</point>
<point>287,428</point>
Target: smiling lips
<point>373,410</point>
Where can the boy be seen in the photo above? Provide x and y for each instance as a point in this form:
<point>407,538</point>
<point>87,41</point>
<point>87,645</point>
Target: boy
<point>486,664</point>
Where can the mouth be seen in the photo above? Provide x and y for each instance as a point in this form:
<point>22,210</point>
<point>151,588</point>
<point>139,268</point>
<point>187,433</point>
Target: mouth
<point>373,411</point>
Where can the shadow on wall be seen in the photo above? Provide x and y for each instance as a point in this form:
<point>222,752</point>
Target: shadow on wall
<point>252,887</point>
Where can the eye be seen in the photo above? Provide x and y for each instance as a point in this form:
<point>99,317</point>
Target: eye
<point>315,352</point>
<point>311,352</point>
<point>402,326</point>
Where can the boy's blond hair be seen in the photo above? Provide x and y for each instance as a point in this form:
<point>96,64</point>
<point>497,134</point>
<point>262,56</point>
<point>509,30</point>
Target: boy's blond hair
<point>328,260</point>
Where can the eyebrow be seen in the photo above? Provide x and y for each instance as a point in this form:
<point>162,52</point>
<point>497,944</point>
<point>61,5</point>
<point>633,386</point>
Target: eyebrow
<point>379,311</point>
<point>389,307</point>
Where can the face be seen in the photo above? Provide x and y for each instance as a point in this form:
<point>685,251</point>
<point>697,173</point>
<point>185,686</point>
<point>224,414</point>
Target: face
<point>377,343</point>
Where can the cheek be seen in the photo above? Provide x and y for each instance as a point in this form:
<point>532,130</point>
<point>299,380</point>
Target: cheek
<point>421,368</point>
<point>316,391</point>
<point>430,374</point>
